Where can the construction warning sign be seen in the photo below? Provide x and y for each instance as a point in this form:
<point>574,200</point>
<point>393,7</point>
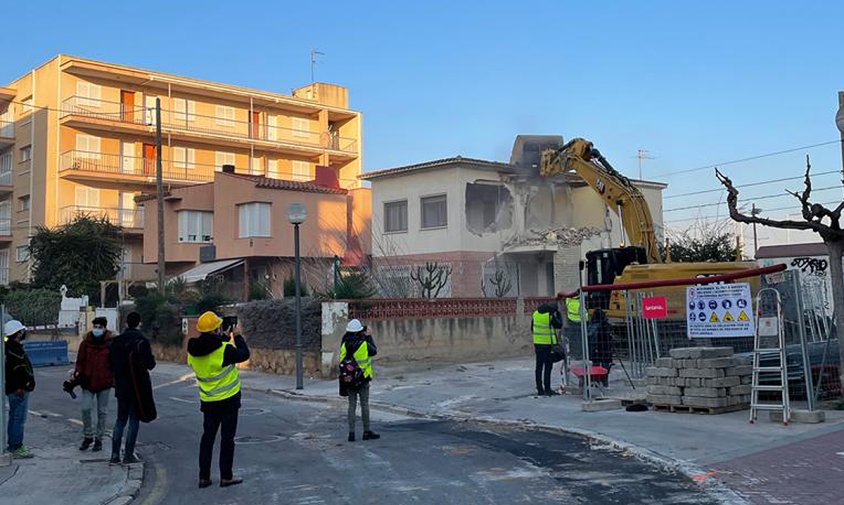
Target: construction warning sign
<point>711,309</point>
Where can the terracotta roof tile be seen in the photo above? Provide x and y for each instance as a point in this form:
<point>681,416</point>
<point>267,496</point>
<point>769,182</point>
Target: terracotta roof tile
<point>497,165</point>
<point>306,187</point>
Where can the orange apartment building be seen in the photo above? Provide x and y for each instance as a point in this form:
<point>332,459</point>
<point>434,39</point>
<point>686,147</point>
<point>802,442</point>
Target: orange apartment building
<point>78,136</point>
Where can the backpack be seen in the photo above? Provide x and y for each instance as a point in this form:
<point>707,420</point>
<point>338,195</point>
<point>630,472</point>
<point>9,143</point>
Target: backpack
<point>351,374</point>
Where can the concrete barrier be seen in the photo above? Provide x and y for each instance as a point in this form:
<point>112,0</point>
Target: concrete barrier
<point>46,352</point>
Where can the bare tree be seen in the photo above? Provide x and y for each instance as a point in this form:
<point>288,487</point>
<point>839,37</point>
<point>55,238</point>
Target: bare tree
<point>432,279</point>
<point>817,218</point>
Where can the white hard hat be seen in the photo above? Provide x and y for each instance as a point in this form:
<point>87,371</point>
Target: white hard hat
<point>354,326</point>
<point>13,327</point>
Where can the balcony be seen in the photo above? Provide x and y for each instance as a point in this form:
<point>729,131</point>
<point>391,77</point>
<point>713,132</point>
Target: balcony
<point>4,276</point>
<point>131,220</point>
<point>111,116</point>
<point>6,185</point>
<point>5,229</point>
<point>121,171</point>
<point>7,133</point>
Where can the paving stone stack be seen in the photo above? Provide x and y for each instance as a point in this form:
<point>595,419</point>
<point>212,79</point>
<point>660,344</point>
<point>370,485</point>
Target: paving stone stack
<point>700,379</point>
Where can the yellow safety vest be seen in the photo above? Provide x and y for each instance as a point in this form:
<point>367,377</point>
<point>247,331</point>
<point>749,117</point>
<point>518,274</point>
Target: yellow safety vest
<point>573,309</point>
<point>216,383</point>
<point>362,358</point>
<point>543,333</point>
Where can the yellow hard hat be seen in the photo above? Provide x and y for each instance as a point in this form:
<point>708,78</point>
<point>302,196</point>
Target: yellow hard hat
<point>208,321</point>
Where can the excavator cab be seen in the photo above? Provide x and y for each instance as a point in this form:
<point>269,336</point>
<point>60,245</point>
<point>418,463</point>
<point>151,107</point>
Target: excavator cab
<point>602,267</point>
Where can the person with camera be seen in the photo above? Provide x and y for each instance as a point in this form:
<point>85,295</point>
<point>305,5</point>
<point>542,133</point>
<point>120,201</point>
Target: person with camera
<point>214,358</point>
<point>359,347</point>
<point>20,381</point>
<point>93,374</point>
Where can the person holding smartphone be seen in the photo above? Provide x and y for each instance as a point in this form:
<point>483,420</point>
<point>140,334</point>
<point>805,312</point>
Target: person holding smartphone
<point>214,358</point>
<point>359,344</point>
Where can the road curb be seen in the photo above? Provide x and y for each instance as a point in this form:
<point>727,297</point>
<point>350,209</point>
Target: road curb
<point>713,487</point>
<point>132,486</point>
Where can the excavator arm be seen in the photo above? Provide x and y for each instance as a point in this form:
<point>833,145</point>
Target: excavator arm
<point>619,194</point>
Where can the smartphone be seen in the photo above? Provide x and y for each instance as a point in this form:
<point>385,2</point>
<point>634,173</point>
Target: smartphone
<point>229,322</point>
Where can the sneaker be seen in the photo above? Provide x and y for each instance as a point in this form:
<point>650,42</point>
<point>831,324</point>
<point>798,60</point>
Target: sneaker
<point>22,453</point>
<point>551,392</point>
<point>351,436</point>
<point>203,483</point>
<point>98,445</point>
<point>115,459</point>
<point>86,443</point>
<point>370,435</point>
<point>230,482</point>
<point>128,460</point>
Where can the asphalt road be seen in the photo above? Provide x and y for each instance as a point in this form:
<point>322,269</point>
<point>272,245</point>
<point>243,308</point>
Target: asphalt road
<point>295,453</point>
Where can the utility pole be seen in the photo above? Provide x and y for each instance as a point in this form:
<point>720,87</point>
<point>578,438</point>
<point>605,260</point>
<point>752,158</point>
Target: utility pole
<point>314,54</point>
<point>642,155</point>
<point>159,184</point>
<point>754,211</point>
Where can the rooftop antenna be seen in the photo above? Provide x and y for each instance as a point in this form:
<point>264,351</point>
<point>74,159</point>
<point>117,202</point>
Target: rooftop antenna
<point>314,54</point>
<point>642,155</point>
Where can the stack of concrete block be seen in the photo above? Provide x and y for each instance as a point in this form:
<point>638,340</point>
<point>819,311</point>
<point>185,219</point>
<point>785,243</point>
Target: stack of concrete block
<point>700,379</point>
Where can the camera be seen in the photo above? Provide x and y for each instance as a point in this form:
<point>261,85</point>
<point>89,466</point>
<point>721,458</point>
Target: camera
<point>229,322</point>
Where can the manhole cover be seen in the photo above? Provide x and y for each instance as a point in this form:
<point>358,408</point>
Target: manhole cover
<point>258,440</point>
<point>252,411</point>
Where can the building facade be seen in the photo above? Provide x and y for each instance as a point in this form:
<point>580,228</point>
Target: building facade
<point>79,136</point>
<point>491,229</point>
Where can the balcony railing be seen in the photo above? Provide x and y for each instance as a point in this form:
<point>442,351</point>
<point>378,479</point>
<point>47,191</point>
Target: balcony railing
<point>7,129</point>
<point>84,161</point>
<point>180,121</point>
<point>4,276</point>
<point>6,178</point>
<point>126,218</point>
<point>5,226</point>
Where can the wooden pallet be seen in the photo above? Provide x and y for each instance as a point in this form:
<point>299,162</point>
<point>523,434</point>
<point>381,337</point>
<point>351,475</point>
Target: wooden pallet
<point>686,409</point>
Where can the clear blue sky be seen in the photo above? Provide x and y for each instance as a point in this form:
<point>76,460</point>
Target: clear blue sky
<point>695,83</point>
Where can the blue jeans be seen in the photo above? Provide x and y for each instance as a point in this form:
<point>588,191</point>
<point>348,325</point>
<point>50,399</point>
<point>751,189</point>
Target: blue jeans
<point>90,401</point>
<point>18,407</point>
<point>126,413</point>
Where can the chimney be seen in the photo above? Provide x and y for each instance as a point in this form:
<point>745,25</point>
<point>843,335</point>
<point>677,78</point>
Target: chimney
<point>326,177</point>
<point>228,169</point>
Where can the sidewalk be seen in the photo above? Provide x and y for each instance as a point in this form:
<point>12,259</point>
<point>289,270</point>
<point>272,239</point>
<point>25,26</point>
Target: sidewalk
<point>711,449</point>
<point>60,473</point>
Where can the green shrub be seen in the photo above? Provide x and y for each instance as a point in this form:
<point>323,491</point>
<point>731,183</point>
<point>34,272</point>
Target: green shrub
<point>34,307</point>
<point>290,288</point>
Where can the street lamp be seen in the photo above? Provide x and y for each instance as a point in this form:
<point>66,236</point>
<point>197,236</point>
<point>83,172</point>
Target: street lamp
<point>296,214</point>
<point>839,122</point>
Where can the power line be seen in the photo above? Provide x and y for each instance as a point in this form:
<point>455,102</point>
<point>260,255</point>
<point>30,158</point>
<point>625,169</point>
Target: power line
<point>750,158</point>
<point>755,198</point>
<point>749,185</point>
<point>716,216</point>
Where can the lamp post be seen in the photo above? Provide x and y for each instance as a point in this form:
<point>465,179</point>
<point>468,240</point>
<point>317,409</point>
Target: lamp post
<point>839,122</point>
<point>296,214</point>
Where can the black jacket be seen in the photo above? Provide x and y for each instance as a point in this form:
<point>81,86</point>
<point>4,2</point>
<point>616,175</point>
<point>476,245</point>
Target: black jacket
<point>121,346</point>
<point>205,344</point>
<point>19,373</point>
<point>556,317</point>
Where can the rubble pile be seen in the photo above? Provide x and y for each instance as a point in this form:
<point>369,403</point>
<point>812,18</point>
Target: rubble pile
<point>700,379</point>
<point>559,235</point>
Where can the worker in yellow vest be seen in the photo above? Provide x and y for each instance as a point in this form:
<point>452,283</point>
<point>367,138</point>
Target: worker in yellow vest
<point>571,328</point>
<point>214,358</point>
<point>544,325</point>
<point>359,347</point>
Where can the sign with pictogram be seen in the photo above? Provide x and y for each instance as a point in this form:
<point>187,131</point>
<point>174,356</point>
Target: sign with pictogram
<point>721,302</point>
<point>655,307</point>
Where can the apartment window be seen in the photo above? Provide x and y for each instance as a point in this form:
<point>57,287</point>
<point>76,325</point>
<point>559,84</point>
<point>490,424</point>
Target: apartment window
<point>184,157</point>
<point>395,216</point>
<point>6,168</point>
<point>88,94</point>
<point>22,253</point>
<point>4,267</point>
<point>273,170</point>
<point>256,166</point>
<point>26,153</point>
<point>223,158</point>
<point>225,116</point>
<point>434,212</point>
<point>23,203</point>
<point>5,218</point>
<point>301,171</point>
<point>254,219</point>
<point>88,146</point>
<point>196,226</point>
<point>87,197</point>
<point>301,127</point>
<point>184,110</point>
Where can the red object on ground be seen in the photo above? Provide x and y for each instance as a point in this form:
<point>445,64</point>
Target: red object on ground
<point>655,307</point>
<point>597,372</point>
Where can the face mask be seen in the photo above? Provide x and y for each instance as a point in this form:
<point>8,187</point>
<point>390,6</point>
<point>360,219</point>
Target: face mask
<point>98,332</point>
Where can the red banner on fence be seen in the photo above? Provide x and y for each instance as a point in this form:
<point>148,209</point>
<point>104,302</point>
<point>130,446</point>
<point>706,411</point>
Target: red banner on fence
<point>655,307</point>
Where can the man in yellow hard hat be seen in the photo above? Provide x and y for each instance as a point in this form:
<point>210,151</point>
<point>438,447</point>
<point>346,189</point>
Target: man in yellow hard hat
<point>214,358</point>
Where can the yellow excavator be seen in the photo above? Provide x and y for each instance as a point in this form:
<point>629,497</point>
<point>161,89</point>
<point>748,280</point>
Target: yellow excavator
<point>640,261</point>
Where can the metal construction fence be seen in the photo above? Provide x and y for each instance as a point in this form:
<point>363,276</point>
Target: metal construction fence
<point>631,340</point>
